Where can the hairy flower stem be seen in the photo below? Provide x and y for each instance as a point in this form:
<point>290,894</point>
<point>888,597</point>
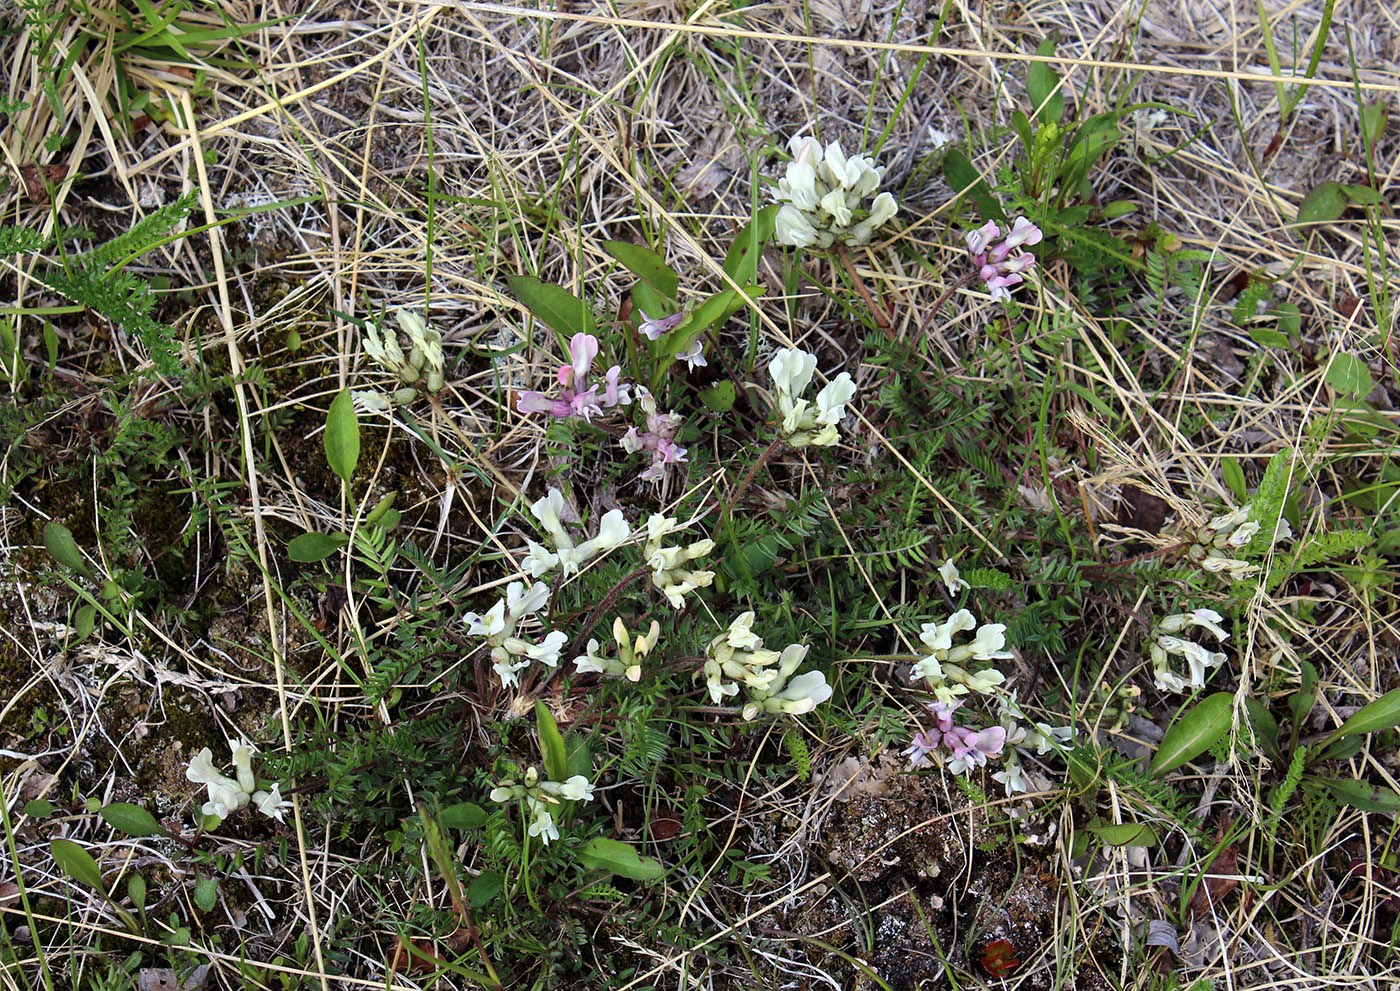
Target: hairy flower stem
<point>604,604</point>
<point>938,303</point>
<point>744,484</point>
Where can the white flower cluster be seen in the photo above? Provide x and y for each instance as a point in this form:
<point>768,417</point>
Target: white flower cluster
<point>1043,737</point>
<point>509,653</point>
<point>1164,644</point>
<point>823,197</point>
<point>1223,537</point>
<point>670,571</point>
<point>228,795</point>
<point>424,360</point>
<point>944,667</point>
<point>737,657</point>
<point>802,424</point>
<point>567,555</point>
<point>628,663</point>
<point>542,796</point>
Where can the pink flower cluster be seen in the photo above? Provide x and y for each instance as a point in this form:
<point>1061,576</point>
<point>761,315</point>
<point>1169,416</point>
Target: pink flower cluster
<point>659,438</point>
<point>576,396</point>
<point>969,747</point>
<point>999,258</point>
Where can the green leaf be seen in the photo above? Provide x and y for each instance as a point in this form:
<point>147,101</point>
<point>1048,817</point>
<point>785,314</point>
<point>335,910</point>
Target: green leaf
<point>1349,375</point>
<point>39,808</point>
<point>1359,794</point>
<point>719,397</point>
<point>617,857</point>
<point>1364,195</point>
<point>59,542</point>
<point>1290,319</point>
<point>1323,205</point>
<point>1300,703</point>
<point>464,815</point>
<point>1194,733</point>
<point>312,547</point>
<point>966,180</point>
<point>1263,723</point>
<point>131,819</point>
<point>1021,124</point>
<point>741,262</point>
<point>84,619</point>
<point>484,887</point>
<point>1383,713</point>
<point>1234,477</point>
<point>1119,208</point>
<point>554,306</point>
<point>646,265</point>
<point>78,864</point>
<point>552,752</point>
<point>206,894</point>
<point>1125,834</point>
<point>1373,120</point>
<point>1041,82</point>
<point>342,436</point>
<point>136,891</point>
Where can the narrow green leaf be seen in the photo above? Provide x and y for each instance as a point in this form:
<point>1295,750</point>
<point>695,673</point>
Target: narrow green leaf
<point>1323,205</point>
<point>311,547</point>
<point>206,894</point>
<point>554,306</point>
<point>1234,477</point>
<point>617,857</point>
<point>131,819</point>
<point>1194,733</point>
<point>59,542</point>
<point>1359,794</point>
<point>719,397</point>
<point>1021,124</point>
<point>343,436</point>
<point>646,265</point>
<point>1349,375</point>
<point>1382,714</point>
<point>552,752</point>
<point>78,864</point>
<point>741,262</point>
<point>1047,101</point>
<point>464,815</point>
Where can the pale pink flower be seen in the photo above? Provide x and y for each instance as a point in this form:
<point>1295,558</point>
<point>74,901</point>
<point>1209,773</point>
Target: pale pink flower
<point>653,327</point>
<point>1000,259</point>
<point>576,397</point>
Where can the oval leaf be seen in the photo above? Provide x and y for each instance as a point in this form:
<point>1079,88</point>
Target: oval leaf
<point>1324,204</point>
<point>312,547</point>
<point>552,752</point>
<point>1234,477</point>
<point>131,819</point>
<point>464,815</point>
<point>555,307</point>
<point>617,857</point>
<point>136,891</point>
<point>38,808</point>
<point>1042,86</point>
<point>206,893</point>
<point>484,887</point>
<point>646,265</point>
<point>719,397</point>
<point>1349,375</point>
<point>59,542</point>
<point>1193,733</point>
<point>343,436</point>
<point>78,864</point>
<point>1125,834</point>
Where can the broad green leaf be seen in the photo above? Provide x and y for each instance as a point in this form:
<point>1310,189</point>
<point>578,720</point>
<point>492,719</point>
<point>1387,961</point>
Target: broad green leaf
<point>131,819</point>
<point>1125,834</point>
<point>311,547</point>
<point>1193,733</point>
<point>1300,703</point>
<point>1324,204</point>
<point>741,262</point>
<point>719,397</point>
<point>1349,375</point>
<point>38,808</point>
<point>1364,195</point>
<point>464,815</point>
<point>1359,794</point>
<point>1290,318</point>
<point>1234,477</point>
<point>1263,723</point>
<point>484,887</point>
<point>646,299</point>
<point>1383,713</point>
<point>1047,101</point>
<point>342,436</point>
<point>646,265</point>
<point>136,891</point>
<point>1022,126</point>
<point>557,308</point>
<point>1119,208</point>
<point>84,619</point>
<point>617,857</point>
<point>1373,120</point>
<point>78,864</point>
<point>59,542</point>
<point>966,180</point>
<point>552,752</point>
<point>206,894</point>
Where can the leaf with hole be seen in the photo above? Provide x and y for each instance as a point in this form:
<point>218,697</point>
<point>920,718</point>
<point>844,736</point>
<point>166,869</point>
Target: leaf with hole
<point>342,438</point>
<point>131,819</point>
<point>1193,733</point>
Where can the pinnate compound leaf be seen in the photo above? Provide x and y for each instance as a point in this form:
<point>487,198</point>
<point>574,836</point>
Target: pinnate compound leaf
<point>1194,733</point>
